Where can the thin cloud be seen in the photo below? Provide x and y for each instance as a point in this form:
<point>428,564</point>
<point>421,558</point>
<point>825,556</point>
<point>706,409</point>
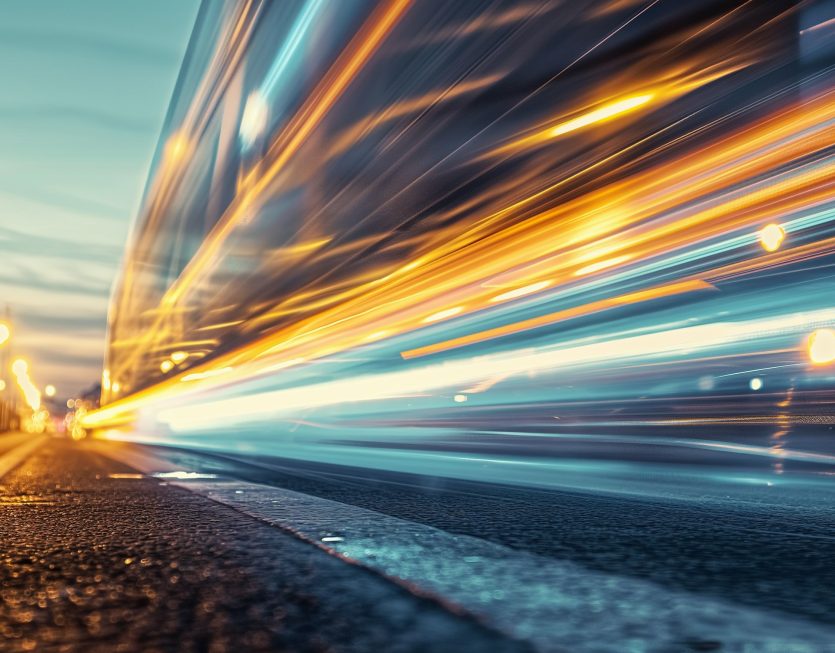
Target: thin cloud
<point>60,115</point>
<point>66,201</point>
<point>63,322</point>
<point>34,282</point>
<point>95,46</point>
<point>18,242</point>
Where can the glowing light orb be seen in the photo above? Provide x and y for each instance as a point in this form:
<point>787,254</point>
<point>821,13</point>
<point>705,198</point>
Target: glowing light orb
<point>254,119</point>
<point>176,148</point>
<point>49,390</point>
<point>771,237</point>
<point>179,356</point>
<point>821,347</point>
<point>706,383</point>
<point>756,383</point>
<point>2,385</point>
<point>460,398</point>
<point>20,366</point>
<point>5,332</point>
<point>166,366</point>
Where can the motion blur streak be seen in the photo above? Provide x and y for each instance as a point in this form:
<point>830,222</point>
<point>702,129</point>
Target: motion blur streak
<point>475,238</point>
<point>603,304</point>
<point>20,368</point>
<point>434,378</point>
<point>321,99</point>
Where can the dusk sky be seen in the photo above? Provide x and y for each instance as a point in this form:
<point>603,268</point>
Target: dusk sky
<point>86,85</point>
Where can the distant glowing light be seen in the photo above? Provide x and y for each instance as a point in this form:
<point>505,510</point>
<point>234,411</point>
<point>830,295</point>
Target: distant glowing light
<point>116,386</point>
<point>756,383</point>
<point>176,148</point>
<point>521,292</point>
<point>20,366</point>
<point>460,398</point>
<point>442,315</point>
<point>254,119</point>
<point>166,366</point>
<point>5,332</point>
<point>70,403</point>
<point>771,237</point>
<point>2,385</point>
<point>821,347</point>
<point>179,356</point>
<point>602,114</point>
<point>49,390</point>
<point>706,383</point>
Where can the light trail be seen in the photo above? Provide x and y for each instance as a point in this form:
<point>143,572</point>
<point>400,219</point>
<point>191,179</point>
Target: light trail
<point>526,251</point>
<point>432,378</point>
<point>398,223</point>
<point>553,318</point>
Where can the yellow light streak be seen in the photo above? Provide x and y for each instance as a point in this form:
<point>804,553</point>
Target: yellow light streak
<point>444,314</point>
<point>301,248</point>
<point>600,265</point>
<point>602,114</point>
<point>220,325</point>
<point>521,292</point>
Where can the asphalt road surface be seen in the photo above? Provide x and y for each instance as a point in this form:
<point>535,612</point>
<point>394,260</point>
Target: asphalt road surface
<point>118,547</point>
<point>93,560</point>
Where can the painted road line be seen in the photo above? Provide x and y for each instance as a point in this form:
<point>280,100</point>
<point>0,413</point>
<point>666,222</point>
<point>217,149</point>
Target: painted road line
<point>15,456</point>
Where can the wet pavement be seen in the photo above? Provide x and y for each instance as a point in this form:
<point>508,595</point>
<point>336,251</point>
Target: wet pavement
<point>98,558</point>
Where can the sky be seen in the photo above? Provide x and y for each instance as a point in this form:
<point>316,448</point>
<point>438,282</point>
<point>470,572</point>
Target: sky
<point>85,86</point>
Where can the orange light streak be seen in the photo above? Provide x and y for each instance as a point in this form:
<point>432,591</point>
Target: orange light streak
<point>666,206</point>
<point>559,316</point>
